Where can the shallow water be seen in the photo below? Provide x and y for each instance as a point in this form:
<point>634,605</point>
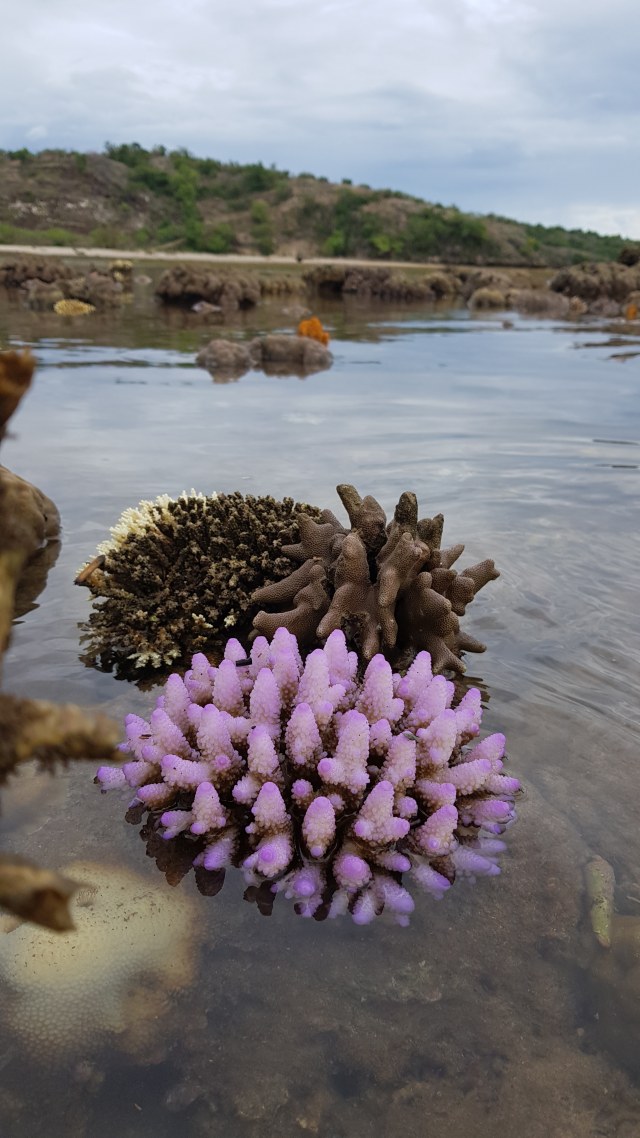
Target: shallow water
<point>492,1008</point>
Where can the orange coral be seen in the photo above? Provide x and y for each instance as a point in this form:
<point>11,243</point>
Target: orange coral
<point>314,330</point>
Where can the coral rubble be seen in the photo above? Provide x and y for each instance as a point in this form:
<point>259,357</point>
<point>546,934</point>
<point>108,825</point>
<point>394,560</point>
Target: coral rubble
<point>390,586</point>
<point>319,784</point>
<point>176,574</point>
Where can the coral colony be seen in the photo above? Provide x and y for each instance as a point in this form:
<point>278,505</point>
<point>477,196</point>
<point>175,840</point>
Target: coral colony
<point>389,585</point>
<point>319,785</point>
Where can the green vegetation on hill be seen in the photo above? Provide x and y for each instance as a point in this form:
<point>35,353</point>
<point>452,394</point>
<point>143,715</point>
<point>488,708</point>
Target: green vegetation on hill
<point>131,197</point>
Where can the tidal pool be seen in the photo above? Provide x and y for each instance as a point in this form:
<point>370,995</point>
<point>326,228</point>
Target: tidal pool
<point>491,1011</point>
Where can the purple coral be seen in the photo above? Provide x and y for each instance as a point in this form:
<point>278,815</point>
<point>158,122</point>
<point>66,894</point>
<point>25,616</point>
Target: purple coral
<point>319,785</point>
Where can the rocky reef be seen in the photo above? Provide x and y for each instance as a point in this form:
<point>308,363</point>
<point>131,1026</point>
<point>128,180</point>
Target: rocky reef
<point>377,282</point>
<point>319,784</point>
<point>46,283</point>
<point>184,285</point>
<point>274,354</point>
<point>176,574</point>
<point>390,586</point>
<point>606,289</point>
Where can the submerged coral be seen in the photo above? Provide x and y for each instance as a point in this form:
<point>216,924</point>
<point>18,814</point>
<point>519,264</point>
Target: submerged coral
<point>176,574</point>
<point>389,586</point>
<point>318,784</point>
<point>65,997</point>
<point>73,308</point>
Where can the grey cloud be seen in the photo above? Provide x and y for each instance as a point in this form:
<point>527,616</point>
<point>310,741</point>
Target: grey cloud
<point>525,108</point>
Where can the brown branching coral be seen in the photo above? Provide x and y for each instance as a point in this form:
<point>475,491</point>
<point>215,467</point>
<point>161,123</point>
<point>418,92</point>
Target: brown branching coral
<point>389,586</point>
<point>178,574</point>
<point>34,728</point>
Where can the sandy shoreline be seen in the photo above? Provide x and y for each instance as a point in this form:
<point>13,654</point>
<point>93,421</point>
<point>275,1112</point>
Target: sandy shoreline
<point>208,258</point>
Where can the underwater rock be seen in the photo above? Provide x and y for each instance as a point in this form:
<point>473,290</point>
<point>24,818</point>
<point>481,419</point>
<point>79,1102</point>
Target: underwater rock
<point>319,784</point>
<point>112,982</point>
<point>176,574</point>
<point>388,585</point>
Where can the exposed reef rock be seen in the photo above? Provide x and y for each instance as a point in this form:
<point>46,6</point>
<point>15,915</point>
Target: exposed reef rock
<point>275,354</point>
<point>320,784</point>
<point>185,286</point>
<point>45,283</point>
<point>279,354</point>
<point>178,573</point>
<point>389,586</point>
<point>225,359</point>
<point>605,288</point>
<point>380,283</point>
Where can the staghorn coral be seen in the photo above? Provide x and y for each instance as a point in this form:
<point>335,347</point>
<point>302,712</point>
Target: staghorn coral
<point>33,728</point>
<point>320,785</point>
<point>176,574</point>
<point>314,330</point>
<point>390,586</point>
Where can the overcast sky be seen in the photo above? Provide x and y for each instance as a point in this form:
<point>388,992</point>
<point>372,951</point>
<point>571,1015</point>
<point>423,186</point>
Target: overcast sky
<point>529,109</point>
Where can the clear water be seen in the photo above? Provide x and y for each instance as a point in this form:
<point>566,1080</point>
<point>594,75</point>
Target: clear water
<point>491,1010</point>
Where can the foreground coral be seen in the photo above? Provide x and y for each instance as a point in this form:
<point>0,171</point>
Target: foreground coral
<point>177,573</point>
<point>29,728</point>
<point>317,784</point>
<point>389,585</point>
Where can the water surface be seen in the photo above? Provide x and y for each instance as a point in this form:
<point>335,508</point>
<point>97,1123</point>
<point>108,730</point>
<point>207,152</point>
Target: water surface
<point>490,1010</point>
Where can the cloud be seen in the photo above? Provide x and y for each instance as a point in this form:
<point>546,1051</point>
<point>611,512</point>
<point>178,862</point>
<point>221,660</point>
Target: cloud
<point>525,107</point>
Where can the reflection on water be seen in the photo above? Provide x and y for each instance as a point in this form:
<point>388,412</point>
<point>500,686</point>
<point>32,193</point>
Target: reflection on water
<point>493,1009</point>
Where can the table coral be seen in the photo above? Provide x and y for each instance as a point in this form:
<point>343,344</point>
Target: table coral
<point>177,573</point>
<point>390,586</point>
<point>320,784</point>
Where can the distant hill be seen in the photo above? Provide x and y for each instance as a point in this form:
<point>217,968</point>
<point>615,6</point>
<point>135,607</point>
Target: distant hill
<point>129,197</point>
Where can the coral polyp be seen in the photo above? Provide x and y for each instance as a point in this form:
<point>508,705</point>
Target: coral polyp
<point>320,784</point>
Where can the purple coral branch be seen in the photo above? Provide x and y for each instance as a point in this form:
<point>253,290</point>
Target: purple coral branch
<point>320,786</point>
